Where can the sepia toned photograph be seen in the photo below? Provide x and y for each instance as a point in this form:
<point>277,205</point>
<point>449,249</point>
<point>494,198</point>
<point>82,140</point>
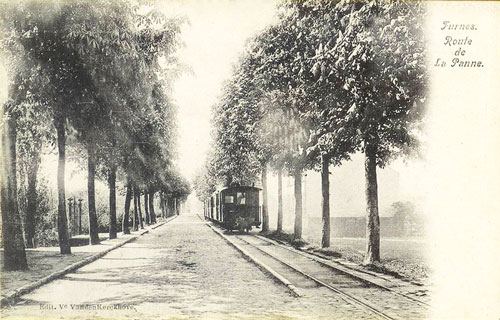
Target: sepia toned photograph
<point>250,159</point>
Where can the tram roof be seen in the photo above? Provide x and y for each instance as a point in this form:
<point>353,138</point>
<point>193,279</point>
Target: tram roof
<point>238,188</point>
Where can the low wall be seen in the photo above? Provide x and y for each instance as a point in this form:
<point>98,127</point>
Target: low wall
<point>356,226</point>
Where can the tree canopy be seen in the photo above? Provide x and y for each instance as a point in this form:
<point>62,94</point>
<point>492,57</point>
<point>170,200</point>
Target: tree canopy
<point>101,72</point>
<point>328,79</point>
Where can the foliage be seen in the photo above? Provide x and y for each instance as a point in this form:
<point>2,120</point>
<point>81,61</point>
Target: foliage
<point>234,157</point>
<point>382,77</point>
<point>282,130</point>
<point>101,71</point>
<point>330,78</point>
<point>403,209</point>
<point>204,181</point>
<point>46,231</point>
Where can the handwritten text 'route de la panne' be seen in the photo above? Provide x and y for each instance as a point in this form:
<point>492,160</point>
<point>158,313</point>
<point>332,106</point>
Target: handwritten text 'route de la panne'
<point>458,46</point>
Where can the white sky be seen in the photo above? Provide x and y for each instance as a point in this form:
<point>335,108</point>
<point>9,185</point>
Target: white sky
<point>214,38</point>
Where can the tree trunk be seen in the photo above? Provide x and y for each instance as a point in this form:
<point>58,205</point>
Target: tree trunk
<point>139,209</point>
<point>30,224</point>
<point>171,206</point>
<point>135,217</point>
<point>265,215</point>
<point>113,229</point>
<point>372,218</point>
<point>279,228</point>
<point>126,214</point>
<point>297,232</point>
<point>93,233</point>
<point>14,253</point>
<point>146,210</point>
<point>167,206</point>
<point>152,207</point>
<point>162,206</point>
<point>62,220</point>
<point>325,201</point>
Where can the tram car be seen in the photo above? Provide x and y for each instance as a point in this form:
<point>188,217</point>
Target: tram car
<point>235,208</point>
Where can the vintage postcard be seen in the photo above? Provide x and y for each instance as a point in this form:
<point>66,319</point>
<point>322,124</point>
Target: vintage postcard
<point>250,159</point>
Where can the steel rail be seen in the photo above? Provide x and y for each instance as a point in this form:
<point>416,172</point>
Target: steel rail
<point>348,297</point>
<point>309,256</point>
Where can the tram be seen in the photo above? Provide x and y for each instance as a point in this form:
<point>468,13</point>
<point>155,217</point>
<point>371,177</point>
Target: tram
<point>235,208</point>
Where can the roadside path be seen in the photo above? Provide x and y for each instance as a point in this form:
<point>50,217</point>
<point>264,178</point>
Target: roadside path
<point>46,263</point>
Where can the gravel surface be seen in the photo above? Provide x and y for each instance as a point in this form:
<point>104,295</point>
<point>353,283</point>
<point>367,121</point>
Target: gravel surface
<point>44,261</point>
<point>182,270</point>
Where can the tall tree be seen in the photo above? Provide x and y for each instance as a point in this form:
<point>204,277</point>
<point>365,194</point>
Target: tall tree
<point>91,159</point>
<point>329,144</point>
<point>279,226</point>
<point>113,229</point>
<point>135,217</point>
<point>141,222</point>
<point>151,198</point>
<point>33,131</point>
<point>146,208</point>
<point>126,213</point>
<point>66,78</point>
<point>107,82</point>
<point>386,80</point>
<point>14,252</point>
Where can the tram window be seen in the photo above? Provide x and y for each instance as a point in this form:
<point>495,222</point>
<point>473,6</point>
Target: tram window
<point>240,198</point>
<point>229,199</point>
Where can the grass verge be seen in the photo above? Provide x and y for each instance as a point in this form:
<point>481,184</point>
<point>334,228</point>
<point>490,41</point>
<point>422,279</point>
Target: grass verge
<point>415,273</point>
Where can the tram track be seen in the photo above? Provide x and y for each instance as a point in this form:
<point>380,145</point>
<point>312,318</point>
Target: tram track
<point>347,297</point>
<point>343,270</point>
<point>306,275</point>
